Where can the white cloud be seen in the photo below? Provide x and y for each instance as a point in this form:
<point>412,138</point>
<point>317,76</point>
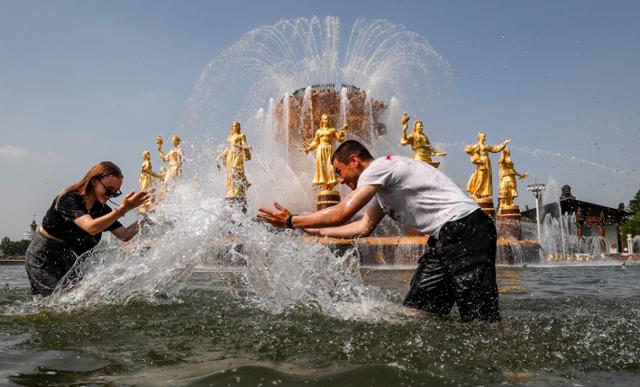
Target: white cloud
<point>13,151</point>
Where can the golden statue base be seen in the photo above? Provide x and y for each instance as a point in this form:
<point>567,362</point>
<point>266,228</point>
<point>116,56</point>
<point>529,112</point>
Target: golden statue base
<point>327,198</point>
<point>434,164</point>
<point>508,222</point>
<point>486,204</point>
<point>511,212</point>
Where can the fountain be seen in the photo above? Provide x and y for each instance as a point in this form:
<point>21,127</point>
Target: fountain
<point>634,246</point>
<point>293,73</point>
<point>560,242</point>
<point>296,70</point>
<point>296,313</point>
<point>570,230</point>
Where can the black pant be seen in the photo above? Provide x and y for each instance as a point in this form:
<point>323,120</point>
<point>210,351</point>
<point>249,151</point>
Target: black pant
<point>459,267</point>
<point>47,262</point>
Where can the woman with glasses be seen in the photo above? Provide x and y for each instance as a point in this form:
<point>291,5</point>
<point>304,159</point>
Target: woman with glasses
<point>75,222</point>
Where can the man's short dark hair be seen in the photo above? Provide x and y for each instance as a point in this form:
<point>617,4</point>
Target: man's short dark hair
<point>348,148</point>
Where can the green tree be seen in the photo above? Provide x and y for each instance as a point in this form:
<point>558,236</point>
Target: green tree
<point>632,226</point>
<point>4,245</point>
<point>14,248</point>
<point>634,204</point>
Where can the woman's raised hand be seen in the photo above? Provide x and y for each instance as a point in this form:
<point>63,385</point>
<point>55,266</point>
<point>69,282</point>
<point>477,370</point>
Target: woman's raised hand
<point>135,199</point>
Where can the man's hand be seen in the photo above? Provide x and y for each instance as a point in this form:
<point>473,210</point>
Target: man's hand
<point>277,218</point>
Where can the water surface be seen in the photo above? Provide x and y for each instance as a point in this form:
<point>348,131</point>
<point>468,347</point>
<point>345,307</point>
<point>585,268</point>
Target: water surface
<point>568,325</point>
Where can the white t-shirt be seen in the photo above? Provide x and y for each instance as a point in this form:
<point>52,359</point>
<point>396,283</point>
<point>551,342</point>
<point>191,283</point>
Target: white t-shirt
<point>416,194</point>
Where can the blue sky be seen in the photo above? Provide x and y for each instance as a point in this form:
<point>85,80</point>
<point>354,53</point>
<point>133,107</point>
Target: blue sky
<point>83,81</point>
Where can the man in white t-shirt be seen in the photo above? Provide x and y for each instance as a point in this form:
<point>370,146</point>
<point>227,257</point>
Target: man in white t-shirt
<point>459,265</point>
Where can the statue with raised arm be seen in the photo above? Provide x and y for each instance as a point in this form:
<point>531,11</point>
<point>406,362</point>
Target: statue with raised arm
<point>173,159</point>
<point>322,143</point>
<point>480,183</point>
<point>508,186</point>
<point>422,148</point>
<point>233,157</point>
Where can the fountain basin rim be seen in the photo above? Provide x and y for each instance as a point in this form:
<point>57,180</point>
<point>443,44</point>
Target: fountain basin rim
<point>373,241</point>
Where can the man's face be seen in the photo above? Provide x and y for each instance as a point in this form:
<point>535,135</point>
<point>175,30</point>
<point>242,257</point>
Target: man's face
<point>348,173</point>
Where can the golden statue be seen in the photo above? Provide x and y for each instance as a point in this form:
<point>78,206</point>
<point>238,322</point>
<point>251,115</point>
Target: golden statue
<point>422,148</point>
<point>173,158</point>
<point>147,178</point>
<point>233,157</point>
<point>325,176</point>
<point>508,186</point>
<point>480,184</point>
<point>147,175</point>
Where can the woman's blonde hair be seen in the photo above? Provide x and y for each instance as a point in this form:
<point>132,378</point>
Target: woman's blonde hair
<point>98,171</point>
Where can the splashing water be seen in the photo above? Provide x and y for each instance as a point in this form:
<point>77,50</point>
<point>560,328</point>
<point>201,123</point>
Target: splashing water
<point>559,240</point>
<point>274,60</point>
<point>194,223</point>
<point>636,244</point>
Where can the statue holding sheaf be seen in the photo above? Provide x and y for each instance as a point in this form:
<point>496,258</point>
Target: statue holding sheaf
<point>420,144</point>
<point>173,159</point>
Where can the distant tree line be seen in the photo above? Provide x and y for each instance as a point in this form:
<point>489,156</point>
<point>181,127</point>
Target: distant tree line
<point>13,248</point>
<point>632,226</point>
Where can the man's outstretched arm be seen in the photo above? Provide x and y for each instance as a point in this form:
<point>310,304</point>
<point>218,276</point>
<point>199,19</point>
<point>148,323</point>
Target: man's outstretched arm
<point>373,214</point>
<point>332,216</point>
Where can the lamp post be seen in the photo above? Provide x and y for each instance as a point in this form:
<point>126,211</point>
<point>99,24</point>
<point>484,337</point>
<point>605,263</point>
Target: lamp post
<point>536,189</point>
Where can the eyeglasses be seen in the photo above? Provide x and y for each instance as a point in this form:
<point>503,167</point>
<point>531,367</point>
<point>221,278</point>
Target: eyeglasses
<point>108,192</point>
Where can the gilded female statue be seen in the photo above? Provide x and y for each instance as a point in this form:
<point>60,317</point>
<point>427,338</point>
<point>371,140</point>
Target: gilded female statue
<point>508,186</point>
<point>173,158</point>
<point>480,184</point>
<point>422,148</point>
<point>233,157</point>
<point>325,176</point>
<point>147,175</point>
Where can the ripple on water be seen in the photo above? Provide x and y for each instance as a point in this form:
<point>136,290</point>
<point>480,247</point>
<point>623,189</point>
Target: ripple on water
<point>547,337</point>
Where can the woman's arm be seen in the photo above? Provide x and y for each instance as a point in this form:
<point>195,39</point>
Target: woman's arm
<point>95,226</point>
<point>126,233</point>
